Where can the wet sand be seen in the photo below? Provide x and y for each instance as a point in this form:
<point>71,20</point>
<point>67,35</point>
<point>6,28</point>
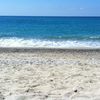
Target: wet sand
<point>49,74</point>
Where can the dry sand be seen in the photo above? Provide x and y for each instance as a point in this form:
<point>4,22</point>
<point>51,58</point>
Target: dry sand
<point>49,74</point>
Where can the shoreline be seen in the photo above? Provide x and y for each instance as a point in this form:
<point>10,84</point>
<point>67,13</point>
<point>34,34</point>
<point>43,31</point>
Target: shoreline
<point>28,49</point>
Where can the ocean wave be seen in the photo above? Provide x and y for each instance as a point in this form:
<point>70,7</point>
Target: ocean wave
<point>95,37</point>
<point>36,43</point>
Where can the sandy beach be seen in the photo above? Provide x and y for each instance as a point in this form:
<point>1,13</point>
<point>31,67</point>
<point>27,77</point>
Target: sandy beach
<point>49,74</point>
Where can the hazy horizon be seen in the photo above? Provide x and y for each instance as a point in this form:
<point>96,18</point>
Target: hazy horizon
<point>42,16</point>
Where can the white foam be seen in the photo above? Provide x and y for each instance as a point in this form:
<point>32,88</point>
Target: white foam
<point>35,43</point>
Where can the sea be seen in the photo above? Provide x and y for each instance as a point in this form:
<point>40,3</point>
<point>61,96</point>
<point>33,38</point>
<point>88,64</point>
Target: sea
<point>49,32</point>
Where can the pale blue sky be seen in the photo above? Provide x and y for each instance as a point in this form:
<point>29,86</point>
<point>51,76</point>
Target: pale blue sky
<point>50,7</point>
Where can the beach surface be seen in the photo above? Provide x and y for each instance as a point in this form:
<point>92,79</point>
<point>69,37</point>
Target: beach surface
<point>49,74</point>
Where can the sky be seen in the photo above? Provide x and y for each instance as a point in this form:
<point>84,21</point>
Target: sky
<point>50,7</point>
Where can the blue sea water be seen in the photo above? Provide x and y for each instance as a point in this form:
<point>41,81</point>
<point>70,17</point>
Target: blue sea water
<point>57,32</point>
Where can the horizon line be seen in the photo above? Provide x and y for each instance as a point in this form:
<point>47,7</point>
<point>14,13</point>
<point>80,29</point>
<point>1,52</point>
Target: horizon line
<point>42,16</point>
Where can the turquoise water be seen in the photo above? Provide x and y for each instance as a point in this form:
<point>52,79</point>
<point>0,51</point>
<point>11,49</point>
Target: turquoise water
<point>49,31</point>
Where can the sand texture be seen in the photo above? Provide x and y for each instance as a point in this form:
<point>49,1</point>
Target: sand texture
<point>50,75</point>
